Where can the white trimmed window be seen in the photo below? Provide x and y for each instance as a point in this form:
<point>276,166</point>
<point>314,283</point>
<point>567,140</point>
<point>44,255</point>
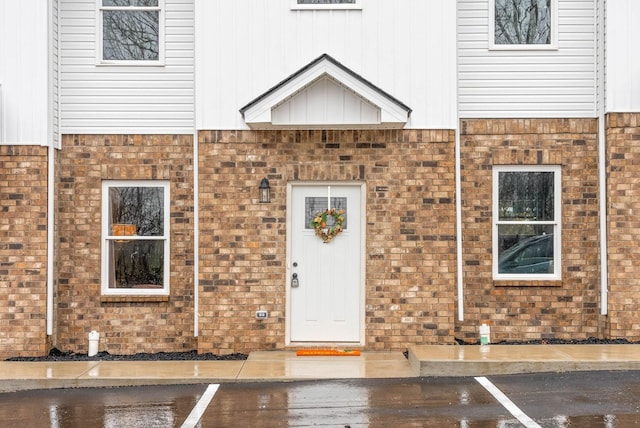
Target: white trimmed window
<point>523,24</point>
<point>326,4</point>
<point>131,31</point>
<point>135,230</point>
<point>526,231</point>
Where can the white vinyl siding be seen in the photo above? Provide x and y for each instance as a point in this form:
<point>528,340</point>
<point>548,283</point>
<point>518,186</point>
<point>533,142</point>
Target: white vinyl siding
<point>405,48</point>
<point>527,83</point>
<point>24,72</point>
<point>623,56</point>
<point>122,99</point>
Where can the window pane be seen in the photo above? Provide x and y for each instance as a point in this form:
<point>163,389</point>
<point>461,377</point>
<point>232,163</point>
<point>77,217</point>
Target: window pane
<point>136,263</point>
<point>525,196</point>
<point>131,35</point>
<point>136,211</point>
<point>525,248</point>
<point>316,204</point>
<point>127,3</point>
<point>522,22</point>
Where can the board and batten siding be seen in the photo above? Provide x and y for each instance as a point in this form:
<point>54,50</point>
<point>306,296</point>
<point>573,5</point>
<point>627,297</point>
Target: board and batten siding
<point>623,56</point>
<point>527,83</point>
<point>125,99</point>
<point>24,68</point>
<point>406,48</point>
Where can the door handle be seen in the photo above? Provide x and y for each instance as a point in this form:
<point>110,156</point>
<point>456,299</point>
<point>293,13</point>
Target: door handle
<point>295,282</point>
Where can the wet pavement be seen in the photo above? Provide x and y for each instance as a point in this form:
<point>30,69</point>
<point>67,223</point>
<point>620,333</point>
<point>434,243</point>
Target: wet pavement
<point>586,399</point>
<point>426,360</point>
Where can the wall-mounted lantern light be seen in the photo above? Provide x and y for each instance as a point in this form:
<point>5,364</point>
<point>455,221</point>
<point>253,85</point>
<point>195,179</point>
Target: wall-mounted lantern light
<point>264,191</point>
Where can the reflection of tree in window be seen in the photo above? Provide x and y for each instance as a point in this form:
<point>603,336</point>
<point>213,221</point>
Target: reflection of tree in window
<point>522,22</point>
<point>141,206</point>
<point>138,262</point>
<point>130,34</point>
<point>526,196</point>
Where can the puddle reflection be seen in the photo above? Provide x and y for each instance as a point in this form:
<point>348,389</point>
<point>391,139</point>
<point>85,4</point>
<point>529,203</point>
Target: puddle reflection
<point>140,416</point>
<point>322,404</point>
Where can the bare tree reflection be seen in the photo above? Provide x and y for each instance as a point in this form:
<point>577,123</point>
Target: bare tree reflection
<point>130,33</point>
<point>522,22</point>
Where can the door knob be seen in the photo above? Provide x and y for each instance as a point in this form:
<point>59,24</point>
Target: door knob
<point>295,282</point>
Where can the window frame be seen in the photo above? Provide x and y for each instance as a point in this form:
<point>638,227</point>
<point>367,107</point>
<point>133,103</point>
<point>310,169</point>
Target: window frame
<point>107,238</point>
<point>556,223</point>
<point>138,62</point>
<point>523,47</point>
<point>357,5</point>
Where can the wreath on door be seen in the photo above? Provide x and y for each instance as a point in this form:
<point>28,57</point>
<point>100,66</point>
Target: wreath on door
<point>319,224</point>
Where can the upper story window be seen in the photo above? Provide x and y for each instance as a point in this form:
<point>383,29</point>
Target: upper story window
<point>526,213</point>
<point>131,31</point>
<point>326,4</point>
<point>523,24</point>
<point>135,230</point>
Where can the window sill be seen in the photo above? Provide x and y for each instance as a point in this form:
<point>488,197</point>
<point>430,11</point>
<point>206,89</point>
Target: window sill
<point>132,298</point>
<point>523,48</point>
<point>132,63</point>
<point>527,283</point>
<point>326,7</point>
<point>356,5</point>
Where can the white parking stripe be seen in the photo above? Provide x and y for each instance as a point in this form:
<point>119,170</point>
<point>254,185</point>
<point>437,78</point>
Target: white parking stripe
<point>202,404</point>
<point>508,404</point>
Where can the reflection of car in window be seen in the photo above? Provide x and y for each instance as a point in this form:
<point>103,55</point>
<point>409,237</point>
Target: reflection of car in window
<point>531,255</point>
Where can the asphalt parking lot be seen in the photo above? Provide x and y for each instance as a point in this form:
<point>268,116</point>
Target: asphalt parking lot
<point>578,399</point>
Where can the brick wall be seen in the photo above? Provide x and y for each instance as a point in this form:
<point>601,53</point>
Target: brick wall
<point>410,249</point>
<point>23,250</point>
<point>126,324</point>
<point>532,310</point>
<point>623,190</point>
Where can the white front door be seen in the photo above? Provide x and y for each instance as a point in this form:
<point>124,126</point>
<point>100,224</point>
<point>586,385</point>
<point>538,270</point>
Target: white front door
<point>325,281</point>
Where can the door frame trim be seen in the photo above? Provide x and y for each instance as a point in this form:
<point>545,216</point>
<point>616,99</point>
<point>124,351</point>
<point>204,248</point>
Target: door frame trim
<point>363,242</point>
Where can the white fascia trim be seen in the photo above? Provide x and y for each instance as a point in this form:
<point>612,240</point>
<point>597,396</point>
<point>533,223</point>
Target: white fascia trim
<point>127,131</point>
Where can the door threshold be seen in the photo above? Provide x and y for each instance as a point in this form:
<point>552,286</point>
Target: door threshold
<point>325,345</point>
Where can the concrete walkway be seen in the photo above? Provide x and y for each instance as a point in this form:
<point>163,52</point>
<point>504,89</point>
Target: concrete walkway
<point>435,360</point>
<point>426,360</point>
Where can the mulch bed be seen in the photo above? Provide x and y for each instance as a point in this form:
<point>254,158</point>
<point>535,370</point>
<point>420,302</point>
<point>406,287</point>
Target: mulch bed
<point>57,355</point>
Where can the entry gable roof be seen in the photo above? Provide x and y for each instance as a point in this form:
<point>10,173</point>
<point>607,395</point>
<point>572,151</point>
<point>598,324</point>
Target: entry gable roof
<point>325,94</point>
